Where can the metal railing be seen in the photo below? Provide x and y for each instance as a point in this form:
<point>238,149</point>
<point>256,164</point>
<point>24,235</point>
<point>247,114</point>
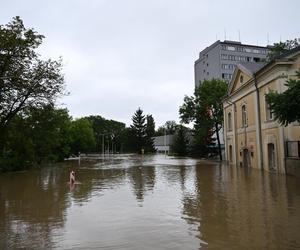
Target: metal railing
<point>293,149</point>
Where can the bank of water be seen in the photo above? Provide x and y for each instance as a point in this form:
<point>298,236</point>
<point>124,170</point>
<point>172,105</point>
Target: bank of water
<point>148,202</point>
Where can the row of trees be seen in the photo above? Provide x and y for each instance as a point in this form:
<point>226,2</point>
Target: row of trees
<point>32,129</point>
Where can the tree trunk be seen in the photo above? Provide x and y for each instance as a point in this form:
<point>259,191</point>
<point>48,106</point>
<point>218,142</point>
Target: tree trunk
<point>218,139</point>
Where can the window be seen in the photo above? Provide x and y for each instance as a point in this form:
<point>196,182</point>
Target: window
<point>224,66</point>
<point>269,113</point>
<point>248,50</point>
<point>226,76</point>
<point>224,56</point>
<point>240,49</point>
<point>223,47</point>
<point>249,59</point>
<point>231,66</point>
<point>207,64</point>
<point>231,57</point>
<point>244,116</point>
<point>207,73</point>
<point>231,48</point>
<point>241,79</point>
<point>229,120</point>
<point>257,51</point>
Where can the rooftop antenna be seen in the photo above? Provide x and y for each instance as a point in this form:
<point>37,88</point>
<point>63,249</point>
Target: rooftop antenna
<point>239,36</point>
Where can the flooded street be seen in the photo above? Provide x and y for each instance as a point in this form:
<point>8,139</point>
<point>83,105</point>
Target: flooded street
<point>150,202</point>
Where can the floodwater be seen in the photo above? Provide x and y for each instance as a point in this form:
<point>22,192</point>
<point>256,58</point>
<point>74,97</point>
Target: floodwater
<point>151,202</point>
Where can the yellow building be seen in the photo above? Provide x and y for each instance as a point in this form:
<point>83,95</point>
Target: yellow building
<point>252,137</point>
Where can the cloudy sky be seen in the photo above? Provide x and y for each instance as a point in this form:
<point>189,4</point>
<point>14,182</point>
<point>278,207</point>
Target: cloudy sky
<point>123,54</point>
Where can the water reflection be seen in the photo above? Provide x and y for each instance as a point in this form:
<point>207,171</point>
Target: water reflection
<point>142,179</point>
<point>238,209</point>
<point>155,202</point>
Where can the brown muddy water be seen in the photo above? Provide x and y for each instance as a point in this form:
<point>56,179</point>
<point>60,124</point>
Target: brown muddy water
<point>151,202</point>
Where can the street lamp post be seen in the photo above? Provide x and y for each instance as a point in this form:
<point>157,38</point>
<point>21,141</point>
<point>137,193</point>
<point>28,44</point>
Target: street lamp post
<point>165,142</point>
<point>103,143</point>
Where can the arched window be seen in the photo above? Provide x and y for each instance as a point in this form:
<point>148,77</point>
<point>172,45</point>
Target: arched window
<point>269,113</point>
<point>229,121</point>
<point>244,116</point>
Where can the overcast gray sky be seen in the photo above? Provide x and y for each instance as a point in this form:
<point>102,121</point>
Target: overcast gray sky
<point>123,54</point>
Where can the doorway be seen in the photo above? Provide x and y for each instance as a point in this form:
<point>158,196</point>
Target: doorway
<point>246,158</point>
<point>230,153</point>
<point>271,157</point>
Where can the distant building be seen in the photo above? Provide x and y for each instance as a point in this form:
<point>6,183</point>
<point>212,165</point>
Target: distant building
<point>252,137</point>
<point>163,143</point>
<point>218,61</point>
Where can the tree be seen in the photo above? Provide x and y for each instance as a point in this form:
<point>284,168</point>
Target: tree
<point>25,80</point>
<point>50,132</point>
<point>82,136</point>
<point>180,142</point>
<point>279,48</point>
<point>104,129</point>
<point>286,106</point>
<point>139,129</point>
<point>150,133</point>
<point>205,110</point>
<point>40,135</point>
<point>128,142</point>
<point>169,128</point>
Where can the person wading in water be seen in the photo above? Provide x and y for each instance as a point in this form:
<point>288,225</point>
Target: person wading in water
<point>72,177</point>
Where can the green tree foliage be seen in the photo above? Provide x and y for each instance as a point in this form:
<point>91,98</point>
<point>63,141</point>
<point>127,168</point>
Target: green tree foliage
<point>40,135</point>
<point>128,141</point>
<point>279,48</point>
<point>169,128</point>
<point>106,132</point>
<point>286,105</point>
<point>180,142</point>
<point>150,133</point>
<point>25,79</point>
<point>139,129</point>
<point>82,136</point>
<point>50,130</point>
<point>205,110</point>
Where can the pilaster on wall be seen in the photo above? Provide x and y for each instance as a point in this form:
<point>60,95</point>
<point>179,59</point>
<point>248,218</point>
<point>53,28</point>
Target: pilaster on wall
<point>258,132</point>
